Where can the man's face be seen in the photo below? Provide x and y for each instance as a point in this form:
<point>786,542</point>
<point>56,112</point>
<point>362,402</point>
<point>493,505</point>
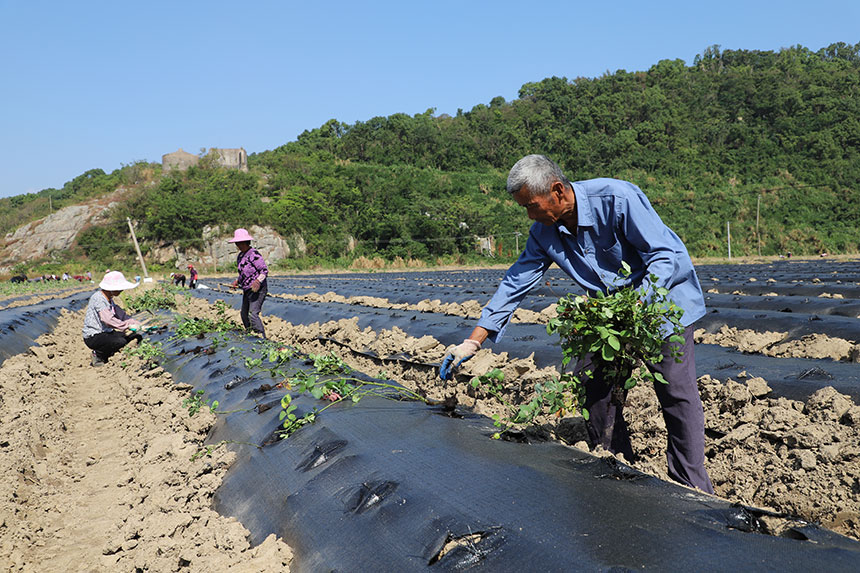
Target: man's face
<point>545,209</point>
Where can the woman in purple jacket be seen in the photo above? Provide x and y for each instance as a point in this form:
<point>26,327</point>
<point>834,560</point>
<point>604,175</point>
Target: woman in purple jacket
<point>253,273</point>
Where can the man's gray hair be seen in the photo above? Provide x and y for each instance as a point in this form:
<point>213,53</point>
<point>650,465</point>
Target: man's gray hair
<point>537,172</point>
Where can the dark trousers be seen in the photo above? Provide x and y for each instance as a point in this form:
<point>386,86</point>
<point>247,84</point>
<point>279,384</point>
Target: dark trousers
<point>682,413</point>
<point>106,344</point>
<point>252,304</point>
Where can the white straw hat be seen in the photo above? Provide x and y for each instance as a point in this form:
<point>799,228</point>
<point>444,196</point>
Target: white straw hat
<point>115,280</point>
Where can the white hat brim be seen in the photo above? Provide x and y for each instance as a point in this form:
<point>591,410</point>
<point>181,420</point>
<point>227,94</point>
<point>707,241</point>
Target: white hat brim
<point>118,285</point>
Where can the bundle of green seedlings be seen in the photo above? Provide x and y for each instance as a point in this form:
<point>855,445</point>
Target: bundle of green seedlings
<point>621,332</point>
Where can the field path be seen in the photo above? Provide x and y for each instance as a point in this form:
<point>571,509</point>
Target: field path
<point>96,473</point>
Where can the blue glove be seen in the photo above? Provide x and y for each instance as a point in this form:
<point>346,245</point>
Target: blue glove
<point>464,351</point>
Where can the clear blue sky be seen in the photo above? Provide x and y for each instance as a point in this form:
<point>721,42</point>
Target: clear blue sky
<point>89,84</point>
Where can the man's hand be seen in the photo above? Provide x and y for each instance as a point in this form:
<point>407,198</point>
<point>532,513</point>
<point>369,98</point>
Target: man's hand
<point>255,285</point>
<point>462,352</point>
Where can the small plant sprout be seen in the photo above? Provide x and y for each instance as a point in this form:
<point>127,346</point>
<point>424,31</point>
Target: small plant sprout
<point>152,300</point>
<point>195,402</point>
<point>147,351</point>
<point>330,381</point>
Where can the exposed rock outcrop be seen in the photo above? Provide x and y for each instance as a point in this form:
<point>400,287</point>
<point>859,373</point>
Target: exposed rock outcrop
<point>56,232</point>
<point>218,251</point>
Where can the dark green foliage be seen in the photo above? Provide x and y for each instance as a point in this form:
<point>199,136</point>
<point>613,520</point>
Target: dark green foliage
<point>184,203</point>
<point>705,142</point>
<point>92,183</point>
<point>708,143</point>
<point>107,244</point>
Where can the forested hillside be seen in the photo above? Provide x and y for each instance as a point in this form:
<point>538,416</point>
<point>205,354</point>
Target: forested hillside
<point>738,136</point>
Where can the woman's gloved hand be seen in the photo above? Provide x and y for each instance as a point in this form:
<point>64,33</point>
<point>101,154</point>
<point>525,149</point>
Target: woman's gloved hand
<point>462,352</point>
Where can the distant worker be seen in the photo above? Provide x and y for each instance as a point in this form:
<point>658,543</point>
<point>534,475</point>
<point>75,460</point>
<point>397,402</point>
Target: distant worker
<point>105,321</point>
<point>253,280</point>
<point>588,228</point>
<point>178,279</point>
<point>192,277</point>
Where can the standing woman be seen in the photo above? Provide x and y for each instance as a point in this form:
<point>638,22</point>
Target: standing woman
<point>192,277</point>
<point>105,321</point>
<point>253,273</point>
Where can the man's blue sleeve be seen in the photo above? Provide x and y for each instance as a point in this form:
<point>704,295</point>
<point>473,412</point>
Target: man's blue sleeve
<point>663,255</point>
<point>520,278</point>
<point>659,247</point>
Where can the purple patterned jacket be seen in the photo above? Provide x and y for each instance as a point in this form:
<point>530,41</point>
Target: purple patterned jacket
<point>251,266</point>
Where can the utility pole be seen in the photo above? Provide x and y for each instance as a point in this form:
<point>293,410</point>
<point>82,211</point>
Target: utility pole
<point>729,238</point>
<point>517,235</point>
<point>757,236</point>
<point>137,248</point>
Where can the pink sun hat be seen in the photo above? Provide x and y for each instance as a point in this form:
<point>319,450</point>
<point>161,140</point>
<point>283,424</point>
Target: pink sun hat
<point>240,236</point>
<point>115,280</point>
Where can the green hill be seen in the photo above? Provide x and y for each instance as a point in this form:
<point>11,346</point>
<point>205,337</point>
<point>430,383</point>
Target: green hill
<point>755,138</point>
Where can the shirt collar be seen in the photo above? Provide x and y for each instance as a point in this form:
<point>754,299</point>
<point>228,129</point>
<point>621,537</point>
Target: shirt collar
<point>584,215</point>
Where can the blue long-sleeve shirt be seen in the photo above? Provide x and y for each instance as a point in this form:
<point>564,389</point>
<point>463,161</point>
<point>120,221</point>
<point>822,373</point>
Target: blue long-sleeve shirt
<point>615,223</point>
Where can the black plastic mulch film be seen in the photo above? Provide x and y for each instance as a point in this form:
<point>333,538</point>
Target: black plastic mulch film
<point>400,486</point>
<point>784,375</point>
<point>20,326</point>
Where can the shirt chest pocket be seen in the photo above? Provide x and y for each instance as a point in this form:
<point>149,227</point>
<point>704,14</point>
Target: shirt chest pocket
<point>602,250</point>
<point>604,256</point>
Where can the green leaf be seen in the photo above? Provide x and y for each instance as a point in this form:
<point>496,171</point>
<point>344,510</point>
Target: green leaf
<point>614,343</point>
<point>607,353</point>
<point>659,377</point>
